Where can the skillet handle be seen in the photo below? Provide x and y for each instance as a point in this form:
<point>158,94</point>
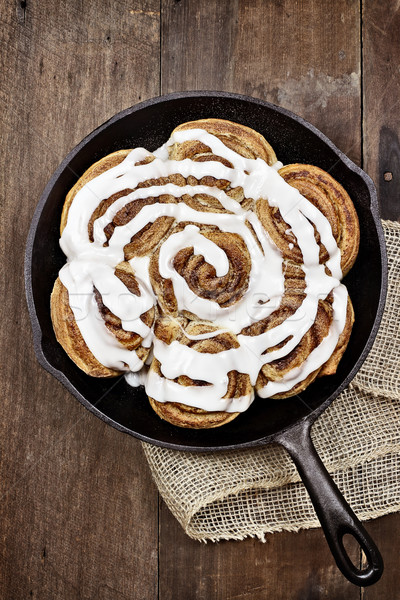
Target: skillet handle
<point>335,515</point>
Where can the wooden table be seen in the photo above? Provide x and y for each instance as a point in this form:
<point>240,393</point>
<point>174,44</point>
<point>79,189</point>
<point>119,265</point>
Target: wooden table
<point>80,515</point>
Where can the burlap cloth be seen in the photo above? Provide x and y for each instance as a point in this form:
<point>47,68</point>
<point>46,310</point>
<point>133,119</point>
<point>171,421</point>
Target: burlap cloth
<point>233,495</point>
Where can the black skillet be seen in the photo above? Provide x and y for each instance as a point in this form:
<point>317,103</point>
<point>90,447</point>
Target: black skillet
<point>286,422</point>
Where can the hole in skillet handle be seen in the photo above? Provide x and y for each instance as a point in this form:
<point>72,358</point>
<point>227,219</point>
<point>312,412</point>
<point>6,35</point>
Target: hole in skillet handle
<point>374,567</point>
<point>335,515</point>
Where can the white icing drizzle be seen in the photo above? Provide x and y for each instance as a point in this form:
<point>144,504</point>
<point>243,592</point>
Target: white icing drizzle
<point>137,378</point>
<point>169,391</point>
<point>91,264</point>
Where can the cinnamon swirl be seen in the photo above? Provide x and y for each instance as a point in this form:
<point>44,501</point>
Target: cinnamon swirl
<point>208,268</point>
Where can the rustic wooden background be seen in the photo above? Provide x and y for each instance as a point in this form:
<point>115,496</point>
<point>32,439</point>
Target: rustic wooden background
<point>80,516</point>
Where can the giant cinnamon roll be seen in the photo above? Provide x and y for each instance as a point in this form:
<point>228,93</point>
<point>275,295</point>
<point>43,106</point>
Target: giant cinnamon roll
<point>206,271</point>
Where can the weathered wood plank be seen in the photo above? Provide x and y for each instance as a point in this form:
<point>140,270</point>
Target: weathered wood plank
<point>289,565</point>
<point>78,512</point>
<point>381,83</point>
<point>386,532</point>
<point>305,57</point>
<point>381,80</point>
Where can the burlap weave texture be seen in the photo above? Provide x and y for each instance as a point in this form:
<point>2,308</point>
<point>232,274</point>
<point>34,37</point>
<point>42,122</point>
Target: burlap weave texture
<point>232,495</point>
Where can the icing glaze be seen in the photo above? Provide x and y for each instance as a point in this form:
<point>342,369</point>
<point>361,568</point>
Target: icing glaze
<point>90,264</point>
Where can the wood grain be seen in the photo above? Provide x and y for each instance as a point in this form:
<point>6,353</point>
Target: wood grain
<point>307,58</point>
<point>386,532</point>
<point>78,511</point>
<point>288,565</point>
<point>381,77</point>
<point>304,56</point>
<point>381,125</point>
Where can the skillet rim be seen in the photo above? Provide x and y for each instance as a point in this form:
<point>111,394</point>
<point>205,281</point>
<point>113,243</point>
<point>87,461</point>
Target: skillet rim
<point>36,328</point>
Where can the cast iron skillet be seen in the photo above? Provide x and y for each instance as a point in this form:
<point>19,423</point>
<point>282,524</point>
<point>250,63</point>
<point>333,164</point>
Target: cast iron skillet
<point>287,422</point>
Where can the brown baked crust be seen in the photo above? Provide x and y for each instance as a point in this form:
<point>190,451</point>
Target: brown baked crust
<point>69,336</point>
<point>277,369</point>
<point>241,139</point>
<point>189,417</point>
<point>99,167</point>
<point>331,365</point>
<point>329,196</point>
<point>245,141</point>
